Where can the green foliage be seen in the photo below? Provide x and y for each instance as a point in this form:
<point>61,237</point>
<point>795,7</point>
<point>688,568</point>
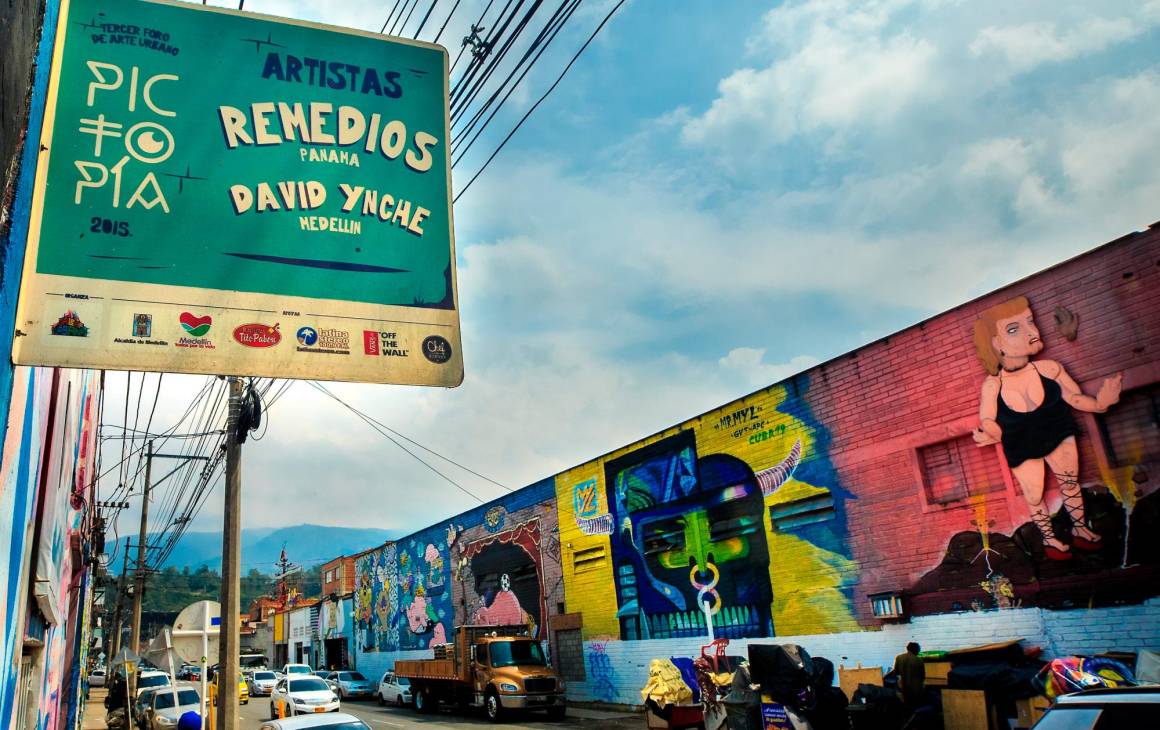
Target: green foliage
<point>172,590</point>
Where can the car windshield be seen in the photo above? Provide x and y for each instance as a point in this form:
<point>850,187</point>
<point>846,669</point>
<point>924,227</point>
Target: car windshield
<point>351,677</point>
<point>165,700</point>
<point>403,682</point>
<point>511,653</point>
<point>298,670</point>
<point>264,675</point>
<point>157,680</point>
<point>308,685</point>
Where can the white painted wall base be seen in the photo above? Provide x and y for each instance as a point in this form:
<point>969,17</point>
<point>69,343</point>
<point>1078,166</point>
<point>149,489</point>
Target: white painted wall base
<point>616,670</point>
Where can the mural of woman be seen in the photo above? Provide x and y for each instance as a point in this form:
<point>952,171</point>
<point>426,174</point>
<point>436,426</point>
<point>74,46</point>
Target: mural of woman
<point>1025,407</point>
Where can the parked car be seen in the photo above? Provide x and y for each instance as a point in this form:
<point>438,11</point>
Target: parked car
<point>151,678</point>
<point>394,690</point>
<point>350,684</point>
<point>243,689</point>
<point>288,669</point>
<point>334,721</point>
<point>97,677</point>
<point>262,682</point>
<point>169,705</point>
<point>1104,709</point>
<point>298,695</point>
<point>144,700</point>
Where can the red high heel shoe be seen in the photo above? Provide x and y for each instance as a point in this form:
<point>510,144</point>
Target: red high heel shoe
<point>1080,543</point>
<point>1054,553</point>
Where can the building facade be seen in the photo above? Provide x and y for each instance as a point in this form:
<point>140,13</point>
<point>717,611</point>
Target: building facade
<point>46,487</point>
<point>850,508</point>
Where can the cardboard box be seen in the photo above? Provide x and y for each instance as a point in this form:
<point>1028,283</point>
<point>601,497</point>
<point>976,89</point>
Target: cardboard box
<point>1028,711</point>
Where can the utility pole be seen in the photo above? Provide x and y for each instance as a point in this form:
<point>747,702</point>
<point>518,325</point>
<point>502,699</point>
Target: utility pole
<point>228,714</point>
<point>115,645</point>
<point>139,582</point>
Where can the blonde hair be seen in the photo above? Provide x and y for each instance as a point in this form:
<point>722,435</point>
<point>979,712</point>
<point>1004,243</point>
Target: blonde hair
<point>986,328</point>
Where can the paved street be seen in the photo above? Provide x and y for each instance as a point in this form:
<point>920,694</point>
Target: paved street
<point>385,718</point>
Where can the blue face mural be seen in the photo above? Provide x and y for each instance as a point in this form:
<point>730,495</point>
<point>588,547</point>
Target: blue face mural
<point>688,533</point>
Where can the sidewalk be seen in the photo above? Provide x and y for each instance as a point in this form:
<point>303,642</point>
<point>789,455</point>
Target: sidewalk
<point>94,714</point>
<point>605,719</point>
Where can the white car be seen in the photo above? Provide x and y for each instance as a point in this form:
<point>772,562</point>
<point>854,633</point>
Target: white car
<point>97,678</point>
<point>151,679</point>
<point>262,682</point>
<point>302,695</point>
<point>288,669</point>
<point>169,705</point>
<point>394,690</point>
<point>334,721</point>
<point>349,684</point>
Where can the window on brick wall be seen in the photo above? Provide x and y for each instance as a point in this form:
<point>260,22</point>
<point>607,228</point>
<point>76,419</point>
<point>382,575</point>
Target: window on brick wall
<point>1131,428</point>
<point>957,469</point>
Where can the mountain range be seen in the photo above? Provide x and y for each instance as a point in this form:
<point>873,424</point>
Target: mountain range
<point>306,545</point>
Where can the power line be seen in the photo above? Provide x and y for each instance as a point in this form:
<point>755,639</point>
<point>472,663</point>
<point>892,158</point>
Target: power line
<point>423,22</point>
<point>445,22</point>
<point>389,16</point>
<point>539,101</point>
<point>386,434</point>
<point>540,45</point>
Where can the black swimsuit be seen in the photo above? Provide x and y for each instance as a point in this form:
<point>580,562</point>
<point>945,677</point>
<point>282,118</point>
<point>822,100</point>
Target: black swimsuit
<point>1036,433</point>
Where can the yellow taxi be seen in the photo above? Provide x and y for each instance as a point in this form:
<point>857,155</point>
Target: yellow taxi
<point>243,689</point>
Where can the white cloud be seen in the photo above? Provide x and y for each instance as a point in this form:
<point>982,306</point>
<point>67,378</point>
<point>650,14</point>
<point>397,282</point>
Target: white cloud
<point>750,363</point>
<point>841,68</point>
<point>1028,45</point>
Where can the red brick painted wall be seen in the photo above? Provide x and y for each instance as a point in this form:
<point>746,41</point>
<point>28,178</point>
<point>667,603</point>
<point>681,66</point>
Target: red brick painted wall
<point>922,385</point>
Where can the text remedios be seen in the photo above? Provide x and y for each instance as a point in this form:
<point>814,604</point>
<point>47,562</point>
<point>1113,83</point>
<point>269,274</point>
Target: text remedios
<point>320,123</point>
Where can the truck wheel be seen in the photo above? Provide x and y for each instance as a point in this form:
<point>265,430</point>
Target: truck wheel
<point>557,713</point>
<point>425,702</point>
<point>492,706</point>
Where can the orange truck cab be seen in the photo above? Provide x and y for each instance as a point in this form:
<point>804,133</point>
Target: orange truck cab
<point>498,668</point>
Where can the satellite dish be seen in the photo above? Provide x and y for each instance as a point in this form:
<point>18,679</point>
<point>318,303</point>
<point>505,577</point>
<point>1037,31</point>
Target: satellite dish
<point>196,632</point>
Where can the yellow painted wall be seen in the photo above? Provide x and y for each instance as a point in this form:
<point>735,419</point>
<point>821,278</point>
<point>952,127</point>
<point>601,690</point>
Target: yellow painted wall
<point>806,578</point>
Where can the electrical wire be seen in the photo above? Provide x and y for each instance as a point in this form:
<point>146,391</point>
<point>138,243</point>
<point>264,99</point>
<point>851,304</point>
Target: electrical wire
<point>445,22</point>
<point>539,101</point>
<point>540,45</point>
<point>389,16</point>
<point>382,428</point>
<point>423,22</point>
<point>474,26</point>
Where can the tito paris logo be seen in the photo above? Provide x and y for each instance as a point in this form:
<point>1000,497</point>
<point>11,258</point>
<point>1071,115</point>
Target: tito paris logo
<point>257,335</point>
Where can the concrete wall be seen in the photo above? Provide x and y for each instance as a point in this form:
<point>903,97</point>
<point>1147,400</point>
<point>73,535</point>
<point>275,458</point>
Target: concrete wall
<point>784,511</point>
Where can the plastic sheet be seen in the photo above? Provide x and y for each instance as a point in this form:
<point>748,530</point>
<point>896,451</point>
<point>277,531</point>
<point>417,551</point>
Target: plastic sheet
<point>1074,674</point>
<point>665,684</point>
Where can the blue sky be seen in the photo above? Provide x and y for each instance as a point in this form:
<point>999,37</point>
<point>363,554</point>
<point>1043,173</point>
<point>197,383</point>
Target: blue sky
<point>720,195</point>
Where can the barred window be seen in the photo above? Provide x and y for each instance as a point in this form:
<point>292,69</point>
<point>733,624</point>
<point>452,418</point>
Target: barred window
<point>957,469</point>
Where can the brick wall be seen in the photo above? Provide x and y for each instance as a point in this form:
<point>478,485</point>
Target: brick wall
<point>835,465</point>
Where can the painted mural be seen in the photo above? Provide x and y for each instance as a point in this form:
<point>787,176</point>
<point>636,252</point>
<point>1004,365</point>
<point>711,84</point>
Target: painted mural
<point>1026,406</point>
<point>734,518</point>
<point>49,443</point>
<point>1076,545</point>
<point>486,567</point>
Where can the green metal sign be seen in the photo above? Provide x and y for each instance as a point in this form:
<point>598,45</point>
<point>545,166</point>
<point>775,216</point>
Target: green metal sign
<point>281,187</point>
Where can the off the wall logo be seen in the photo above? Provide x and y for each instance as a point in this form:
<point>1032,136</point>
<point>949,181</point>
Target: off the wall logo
<point>257,335</point>
<point>385,344</point>
<point>198,327</point>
